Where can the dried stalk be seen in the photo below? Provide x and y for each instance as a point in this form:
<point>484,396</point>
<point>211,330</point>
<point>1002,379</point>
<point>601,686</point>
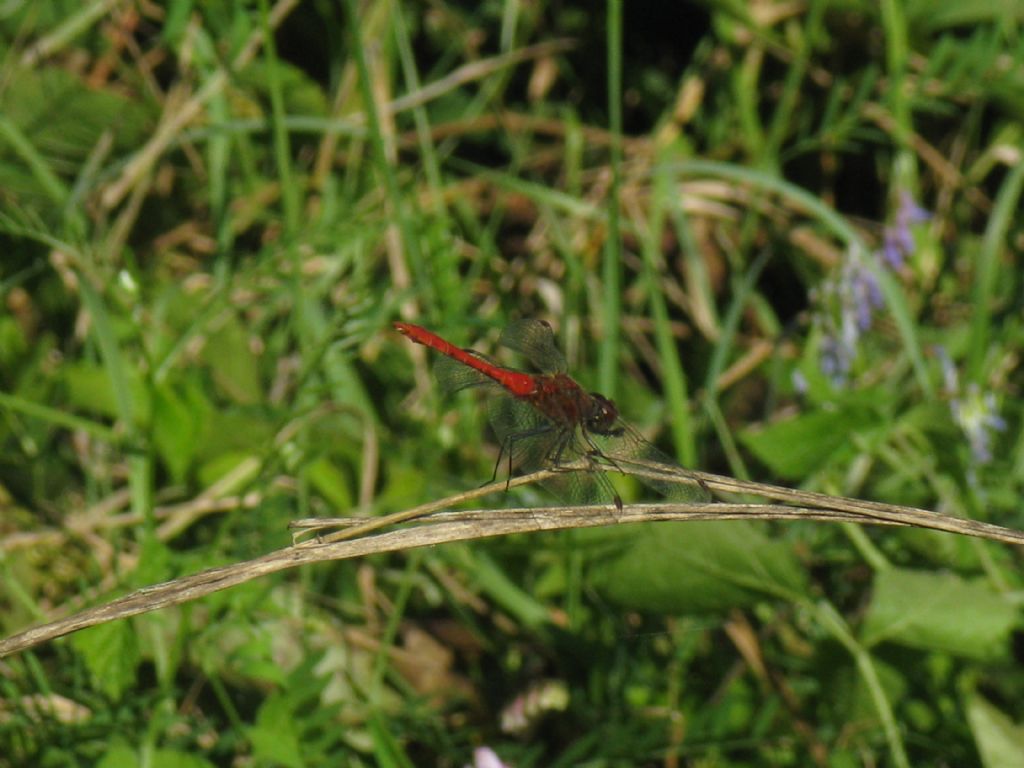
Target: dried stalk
<point>437,526</point>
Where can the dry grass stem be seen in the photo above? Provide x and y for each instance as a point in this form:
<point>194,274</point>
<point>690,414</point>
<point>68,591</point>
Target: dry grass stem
<point>439,523</point>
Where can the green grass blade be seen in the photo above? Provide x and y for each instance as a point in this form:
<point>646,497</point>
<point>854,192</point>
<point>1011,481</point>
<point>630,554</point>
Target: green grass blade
<point>1005,214</point>
<point>673,376</point>
<point>282,150</point>
<point>59,418</point>
<point>23,149</point>
<point>140,468</point>
<point>611,309</point>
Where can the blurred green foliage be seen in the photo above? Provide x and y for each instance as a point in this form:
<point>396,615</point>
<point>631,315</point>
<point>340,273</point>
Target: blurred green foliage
<point>210,213</point>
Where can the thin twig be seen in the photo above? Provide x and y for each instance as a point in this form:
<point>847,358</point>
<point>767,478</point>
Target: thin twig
<point>440,527</point>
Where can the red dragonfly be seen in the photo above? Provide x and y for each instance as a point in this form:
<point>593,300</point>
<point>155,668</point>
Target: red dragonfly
<point>548,421</point>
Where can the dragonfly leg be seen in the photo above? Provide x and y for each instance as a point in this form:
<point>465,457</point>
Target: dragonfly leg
<point>507,448</point>
<point>558,455</point>
<point>567,439</point>
<point>596,452</point>
<point>648,461</point>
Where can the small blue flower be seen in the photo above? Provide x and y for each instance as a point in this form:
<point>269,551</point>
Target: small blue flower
<point>894,249</point>
<point>975,412</point>
<point>850,298</point>
<point>898,240</point>
<point>849,301</point>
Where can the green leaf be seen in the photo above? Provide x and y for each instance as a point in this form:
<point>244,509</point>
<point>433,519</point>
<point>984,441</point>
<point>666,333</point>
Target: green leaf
<point>386,749</point>
<point>490,577</point>
<point>928,16</point>
<point>850,693</point>
<point>404,486</point>
<point>13,344</point>
<point>233,364</point>
<point>1000,741</point>
<point>818,388</point>
<point>242,430</point>
<point>219,468</point>
<point>798,447</point>
<point>700,568</point>
<point>111,654</point>
<point>330,482</point>
<point>90,390</point>
<point>64,118</point>
<point>172,758</point>
<point>942,549</point>
<point>156,563</point>
<point>303,95</point>
<point>67,115</point>
<point>119,755</point>
<point>275,738</point>
<point>938,611</point>
<point>175,431</point>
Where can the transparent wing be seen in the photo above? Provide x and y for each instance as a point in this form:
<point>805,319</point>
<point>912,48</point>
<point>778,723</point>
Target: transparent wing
<point>530,441</point>
<point>453,376</point>
<point>525,435</point>
<point>583,486</point>
<point>627,450</point>
<point>535,341</point>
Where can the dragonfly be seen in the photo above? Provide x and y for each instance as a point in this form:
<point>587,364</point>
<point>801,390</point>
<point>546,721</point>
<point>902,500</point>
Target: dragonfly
<point>546,420</point>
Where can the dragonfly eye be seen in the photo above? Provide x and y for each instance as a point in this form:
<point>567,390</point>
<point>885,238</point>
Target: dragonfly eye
<point>603,415</point>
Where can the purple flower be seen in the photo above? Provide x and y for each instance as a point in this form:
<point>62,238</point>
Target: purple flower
<point>848,300</point>
<point>978,416</point>
<point>898,240</point>
<point>909,212</point>
<point>895,247</point>
<point>975,412</point>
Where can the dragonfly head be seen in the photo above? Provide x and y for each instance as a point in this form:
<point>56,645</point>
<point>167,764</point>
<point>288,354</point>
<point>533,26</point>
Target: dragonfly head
<point>603,416</point>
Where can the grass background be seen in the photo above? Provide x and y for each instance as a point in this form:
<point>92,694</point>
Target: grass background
<point>211,212</point>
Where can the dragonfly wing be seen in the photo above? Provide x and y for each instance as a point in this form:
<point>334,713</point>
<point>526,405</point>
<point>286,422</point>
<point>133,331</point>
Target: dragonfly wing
<point>530,441</point>
<point>628,451</point>
<point>526,436</point>
<point>454,376</point>
<point>580,485</point>
<point>535,341</point>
